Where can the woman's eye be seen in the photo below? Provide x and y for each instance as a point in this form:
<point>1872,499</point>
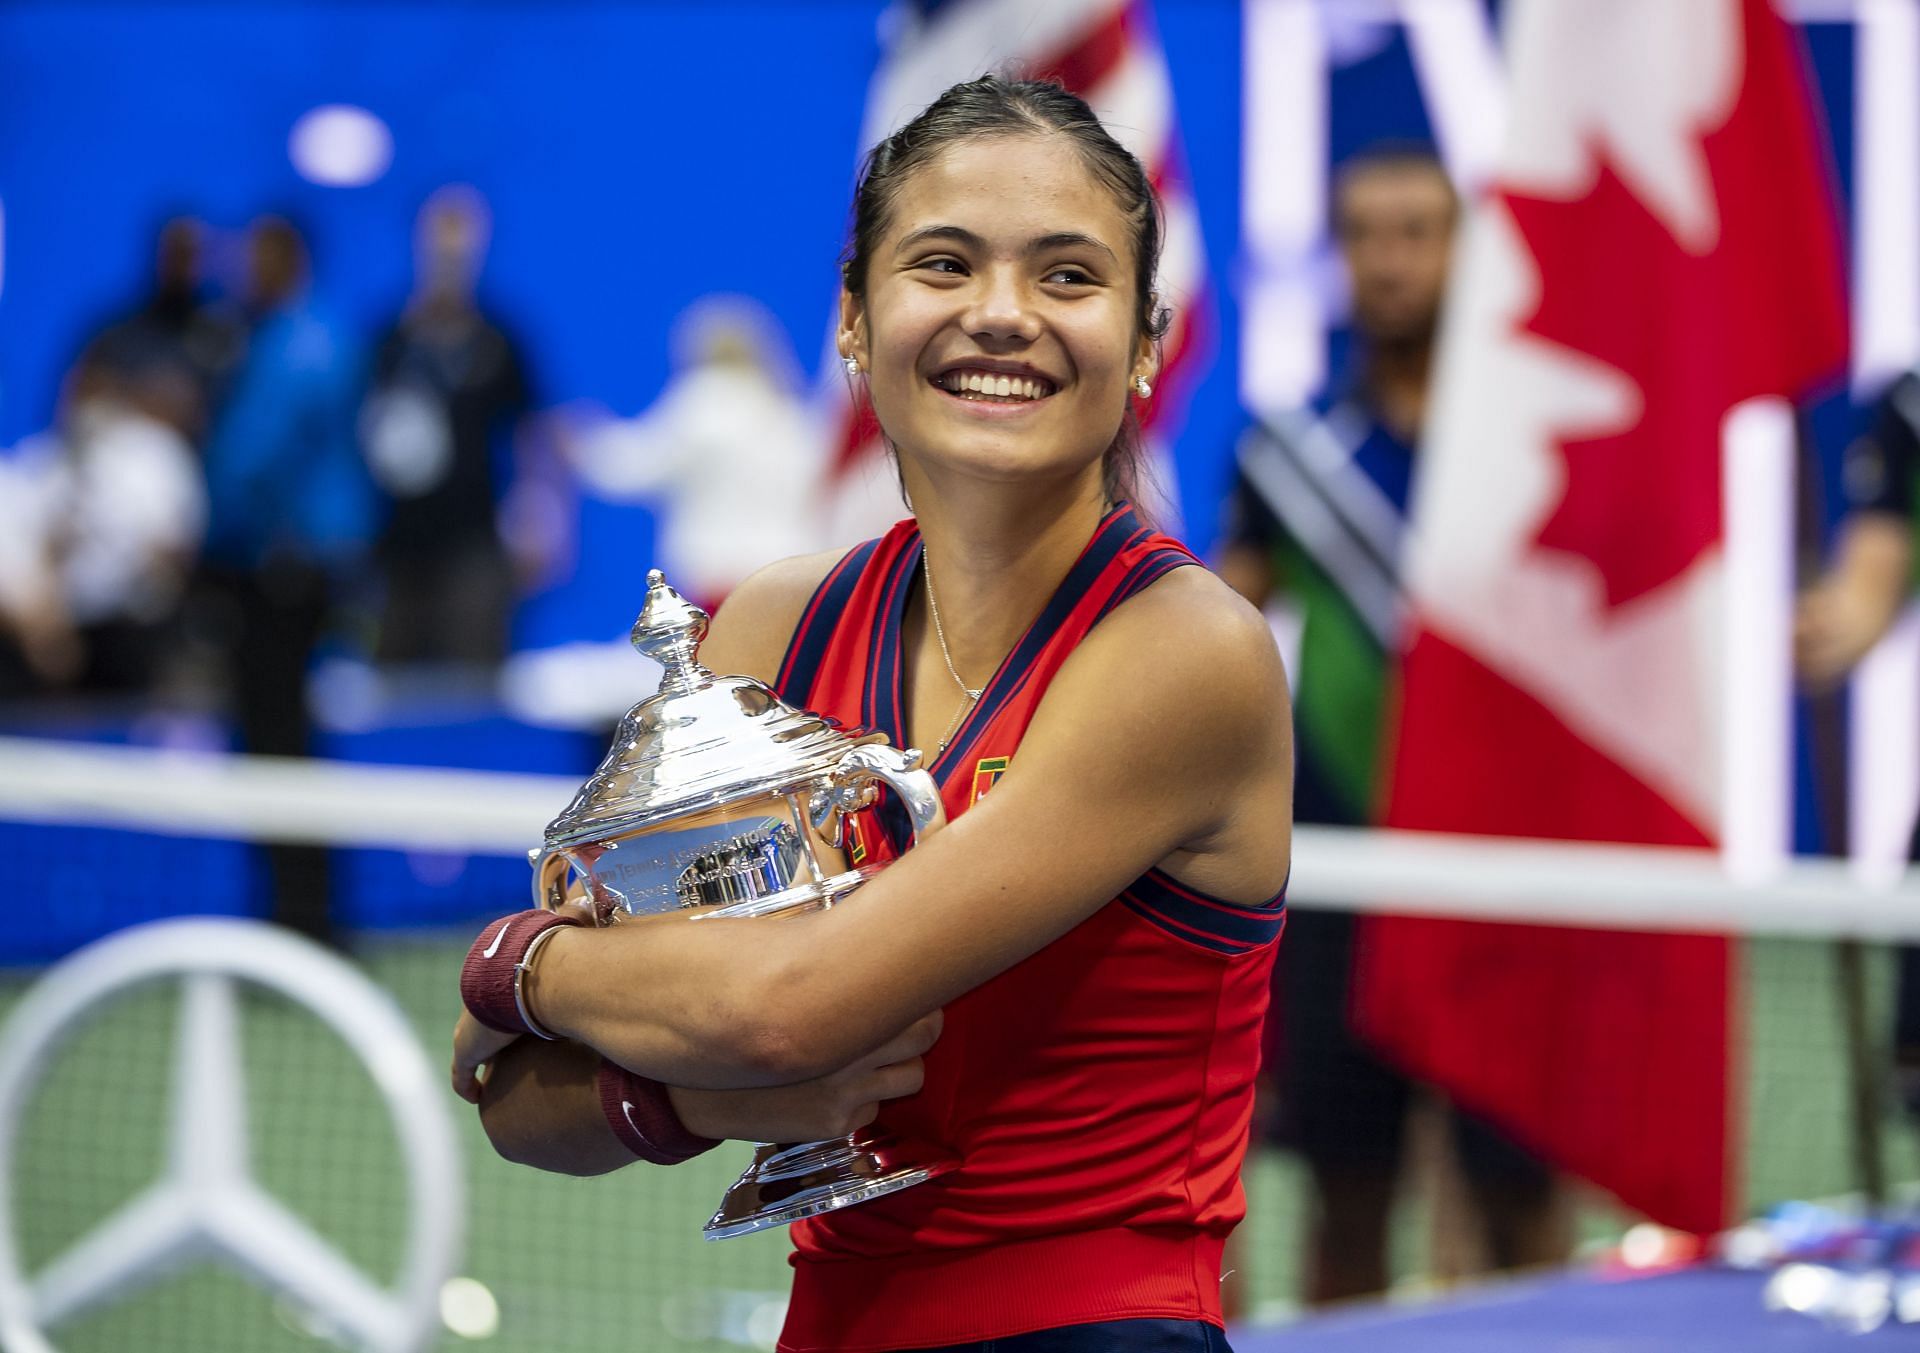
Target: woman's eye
<point>1070,276</point>
<point>949,266</point>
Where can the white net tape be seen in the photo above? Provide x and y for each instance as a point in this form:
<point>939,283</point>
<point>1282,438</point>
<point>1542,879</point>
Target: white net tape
<point>1405,873</point>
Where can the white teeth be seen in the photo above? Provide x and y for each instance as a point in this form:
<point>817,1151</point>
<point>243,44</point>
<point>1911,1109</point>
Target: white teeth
<point>993,384</point>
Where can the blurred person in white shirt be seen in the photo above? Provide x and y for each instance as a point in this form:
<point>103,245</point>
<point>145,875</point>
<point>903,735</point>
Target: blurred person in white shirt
<point>102,519</point>
<point>729,451</point>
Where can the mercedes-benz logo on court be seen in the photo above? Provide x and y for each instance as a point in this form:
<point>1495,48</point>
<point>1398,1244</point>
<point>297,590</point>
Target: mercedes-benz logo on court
<point>206,1206</point>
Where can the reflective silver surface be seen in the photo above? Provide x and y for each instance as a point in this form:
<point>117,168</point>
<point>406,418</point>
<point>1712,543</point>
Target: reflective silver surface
<point>700,741</point>
<point>786,1183</point>
<point>718,862</point>
<point>744,868</point>
<point>718,795</point>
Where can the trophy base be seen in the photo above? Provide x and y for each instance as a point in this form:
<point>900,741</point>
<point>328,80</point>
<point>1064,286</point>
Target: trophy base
<point>787,1183</point>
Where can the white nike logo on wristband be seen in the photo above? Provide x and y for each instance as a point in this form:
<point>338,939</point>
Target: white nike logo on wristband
<point>626,1107</point>
<point>494,948</point>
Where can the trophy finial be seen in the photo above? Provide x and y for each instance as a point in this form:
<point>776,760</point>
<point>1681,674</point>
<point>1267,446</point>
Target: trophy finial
<point>669,631</point>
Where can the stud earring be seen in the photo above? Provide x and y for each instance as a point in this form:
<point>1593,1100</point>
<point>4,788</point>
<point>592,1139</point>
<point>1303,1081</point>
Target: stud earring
<point>1143,387</point>
<point>852,364</point>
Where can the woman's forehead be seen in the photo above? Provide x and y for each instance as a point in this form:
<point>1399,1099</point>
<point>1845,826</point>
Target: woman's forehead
<point>1010,187</point>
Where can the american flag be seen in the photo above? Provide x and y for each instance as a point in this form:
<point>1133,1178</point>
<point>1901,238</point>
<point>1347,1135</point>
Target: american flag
<point>1106,51</point>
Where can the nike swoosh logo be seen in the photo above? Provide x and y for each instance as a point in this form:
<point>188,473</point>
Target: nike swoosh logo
<point>501,934</point>
<point>626,1107</point>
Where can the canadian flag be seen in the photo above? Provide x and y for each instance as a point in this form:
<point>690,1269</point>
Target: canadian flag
<point>1658,248</point>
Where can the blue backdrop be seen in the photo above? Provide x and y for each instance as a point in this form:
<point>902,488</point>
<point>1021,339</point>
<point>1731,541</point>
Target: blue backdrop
<point>637,157</point>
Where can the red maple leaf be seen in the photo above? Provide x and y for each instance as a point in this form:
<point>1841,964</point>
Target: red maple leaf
<point>1761,311</point>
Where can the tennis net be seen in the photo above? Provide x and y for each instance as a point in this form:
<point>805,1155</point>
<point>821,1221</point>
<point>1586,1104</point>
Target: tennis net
<point>94,838</point>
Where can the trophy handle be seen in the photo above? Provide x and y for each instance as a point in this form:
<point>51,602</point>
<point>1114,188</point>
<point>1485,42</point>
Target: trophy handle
<point>898,769</point>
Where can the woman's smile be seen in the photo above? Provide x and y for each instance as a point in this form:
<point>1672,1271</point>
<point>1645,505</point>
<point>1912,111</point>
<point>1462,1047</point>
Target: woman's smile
<point>993,388</point>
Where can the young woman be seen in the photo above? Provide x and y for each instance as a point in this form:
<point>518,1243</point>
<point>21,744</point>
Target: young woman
<point>1110,731</point>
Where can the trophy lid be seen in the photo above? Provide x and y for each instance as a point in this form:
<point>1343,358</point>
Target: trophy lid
<point>701,741</point>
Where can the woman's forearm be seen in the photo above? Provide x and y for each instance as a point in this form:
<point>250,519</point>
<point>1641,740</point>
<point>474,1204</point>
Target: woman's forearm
<point>540,1106</point>
<point>707,1004</point>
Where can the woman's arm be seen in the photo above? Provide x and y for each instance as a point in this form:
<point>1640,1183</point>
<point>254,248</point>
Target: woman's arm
<point>1165,737</point>
<point>540,1104</point>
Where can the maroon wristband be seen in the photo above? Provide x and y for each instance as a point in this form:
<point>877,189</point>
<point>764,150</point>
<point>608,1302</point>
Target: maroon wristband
<point>642,1117</point>
<point>489,979</point>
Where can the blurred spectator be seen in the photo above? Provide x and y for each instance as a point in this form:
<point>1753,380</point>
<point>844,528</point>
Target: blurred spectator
<point>105,511</point>
<point>1847,611</point>
<point>448,388</point>
<point>1856,601</point>
<point>290,512</point>
<point>126,508</point>
<point>1316,518</point>
<point>39,645</point>
<point>172,353</point>
<point>730,448</point>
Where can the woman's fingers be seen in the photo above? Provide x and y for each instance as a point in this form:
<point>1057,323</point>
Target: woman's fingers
<point>474,1045</point>
<point>896,1080</point>
<point>912,1041</point>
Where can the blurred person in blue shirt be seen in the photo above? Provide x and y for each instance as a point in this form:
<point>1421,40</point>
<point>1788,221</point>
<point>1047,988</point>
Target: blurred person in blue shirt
<point>284,481</point>
<point>290,512</point>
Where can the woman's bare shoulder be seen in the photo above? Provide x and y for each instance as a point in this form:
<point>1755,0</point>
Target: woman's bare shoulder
<point>1193,611</point>
<point>1193,659</point>
<point>750,634</point>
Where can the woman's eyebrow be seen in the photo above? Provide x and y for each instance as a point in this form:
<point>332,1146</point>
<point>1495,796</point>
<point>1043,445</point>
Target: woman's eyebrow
<point>957,234</point>
<point>1068,239</point>
<point>1039,244</point>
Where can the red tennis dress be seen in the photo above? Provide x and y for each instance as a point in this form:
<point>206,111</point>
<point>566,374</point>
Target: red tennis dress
<point>1098,1092</point>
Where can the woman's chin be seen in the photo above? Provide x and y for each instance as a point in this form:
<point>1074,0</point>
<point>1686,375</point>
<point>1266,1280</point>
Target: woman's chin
<point>1004,461</point>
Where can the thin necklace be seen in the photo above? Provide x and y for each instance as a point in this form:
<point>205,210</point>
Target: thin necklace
<point>940,633</point>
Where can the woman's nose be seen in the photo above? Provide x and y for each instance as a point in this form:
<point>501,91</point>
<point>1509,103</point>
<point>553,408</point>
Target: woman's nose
<point>1001,309</point>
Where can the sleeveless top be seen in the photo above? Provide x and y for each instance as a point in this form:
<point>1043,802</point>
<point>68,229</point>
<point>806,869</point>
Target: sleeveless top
<point>1097,1093</point>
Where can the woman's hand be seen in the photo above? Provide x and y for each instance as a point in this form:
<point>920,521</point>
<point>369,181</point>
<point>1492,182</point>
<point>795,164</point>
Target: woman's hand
<point>541,1103</point>
<point>814,1110</point>
<point>474,1046</point>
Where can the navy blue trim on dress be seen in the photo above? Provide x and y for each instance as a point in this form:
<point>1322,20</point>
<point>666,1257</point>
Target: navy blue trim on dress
<point>883,697</point>
<point>1206,921</point>
<point>807,649</point>
<point>1146,572</point>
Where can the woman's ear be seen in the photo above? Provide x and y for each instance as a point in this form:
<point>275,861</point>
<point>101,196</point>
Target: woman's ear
<point>1146,361</point>
<point>850,336</point>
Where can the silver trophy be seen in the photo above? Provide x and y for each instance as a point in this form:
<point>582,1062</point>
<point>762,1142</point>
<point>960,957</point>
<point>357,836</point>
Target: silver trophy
<point>718,795</point>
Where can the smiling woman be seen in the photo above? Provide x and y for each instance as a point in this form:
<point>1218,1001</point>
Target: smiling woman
<point>1065,986</point>
<point>932,218</point>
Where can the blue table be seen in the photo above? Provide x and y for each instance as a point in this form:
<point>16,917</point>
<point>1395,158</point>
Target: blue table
<point>1701,1310</point>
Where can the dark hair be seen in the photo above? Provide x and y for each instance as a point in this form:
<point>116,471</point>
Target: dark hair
<point>1395,153</point>
<point>995,105</point>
